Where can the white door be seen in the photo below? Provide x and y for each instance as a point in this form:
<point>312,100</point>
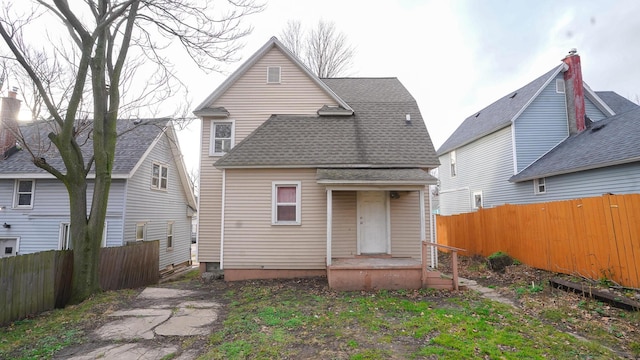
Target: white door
<point>372,222</point>
<point>8,247</point>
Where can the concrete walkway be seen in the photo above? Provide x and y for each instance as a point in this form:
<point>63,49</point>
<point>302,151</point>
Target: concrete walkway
<point>485,291</point>
<point>165,313</point>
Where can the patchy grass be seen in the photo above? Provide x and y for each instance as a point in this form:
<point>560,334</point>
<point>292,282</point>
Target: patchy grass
<point>41,337</point>
<point>275,320</point>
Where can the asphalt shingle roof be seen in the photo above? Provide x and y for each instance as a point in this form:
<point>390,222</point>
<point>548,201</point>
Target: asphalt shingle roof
<point>611,141</point>
<point>377,135</point>
<point>130,147</point>
<point>619,104</point>
<point>413,176</point>
<point>497,115</point>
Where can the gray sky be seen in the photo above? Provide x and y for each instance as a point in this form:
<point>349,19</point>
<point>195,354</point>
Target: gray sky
<point>457,57</point>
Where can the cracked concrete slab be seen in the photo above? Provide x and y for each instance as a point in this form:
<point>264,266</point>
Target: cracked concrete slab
<point>162,293</point>
<point>128,352</point>
<point>188,322</point>
<point>134,326</point>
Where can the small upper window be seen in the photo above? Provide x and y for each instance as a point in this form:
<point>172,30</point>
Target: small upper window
<point>539,186</point>
<point>452,158</point>
<point>159,176</point>
<point>286,203</point>
<point>560,86</point>
<point>273,75</point>
<point>477,200</point>
<point>24,193</point>
<point>222,137</point>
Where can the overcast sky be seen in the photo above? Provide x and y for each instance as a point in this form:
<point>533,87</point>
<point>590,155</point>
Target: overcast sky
<point>457,57</point>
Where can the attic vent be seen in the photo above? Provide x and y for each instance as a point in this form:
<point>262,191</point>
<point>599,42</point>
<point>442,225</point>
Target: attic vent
<point>273,75</point>
<point>514,95</point>
<point>478,114</point>
<point>560,86</point>
<point>598,128</point>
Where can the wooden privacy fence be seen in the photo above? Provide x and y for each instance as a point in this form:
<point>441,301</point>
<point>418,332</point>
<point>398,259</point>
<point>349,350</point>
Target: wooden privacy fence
<point>595,237</point>
<point>34,283</point>
<point>30,284</point>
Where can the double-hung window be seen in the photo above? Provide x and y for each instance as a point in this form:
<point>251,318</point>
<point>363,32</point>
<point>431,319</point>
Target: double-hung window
<point>452,160</point>
<point>141,231</point>
<point>286,203</point>
<point>23,197</point>
<point>159,177</point>
<point>170,235</point>
<point>539,186</point>
<point>222,137</point>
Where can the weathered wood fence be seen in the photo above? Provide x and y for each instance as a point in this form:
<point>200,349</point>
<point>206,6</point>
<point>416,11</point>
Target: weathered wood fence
<point>595,237</point>
<point>33,283</point>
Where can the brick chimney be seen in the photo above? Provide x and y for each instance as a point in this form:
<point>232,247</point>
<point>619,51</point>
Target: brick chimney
<point>574,92</point>
<point>9,109</point>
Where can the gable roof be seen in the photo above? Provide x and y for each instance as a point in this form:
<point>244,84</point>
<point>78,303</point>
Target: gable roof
<point>130,147</point>
<point>376,135</point>
<point>498,115</point>
<point>591,148</point>
<point>619,104</point>
<point>203,108</point>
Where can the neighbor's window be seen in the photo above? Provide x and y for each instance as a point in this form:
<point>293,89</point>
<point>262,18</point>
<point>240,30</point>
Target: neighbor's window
<point>560,86</point>
<point>170,235</point>
<point>273,75</point>
<point>23,197</point>
<point>540,186</point>
<point>286,203</point>
<point>477,200</point>
<point>452,160</point>
<point>141,231</point>
<point>222,137</point>
<point>159,176</point>
<point>64,237</point>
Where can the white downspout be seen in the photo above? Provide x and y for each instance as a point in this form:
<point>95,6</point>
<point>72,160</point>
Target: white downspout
<point>329,224</point>
<point>224,188</point>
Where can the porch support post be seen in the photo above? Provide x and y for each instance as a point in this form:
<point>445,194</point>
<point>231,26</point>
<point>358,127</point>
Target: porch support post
<point>423,231</point>
<point>329,224</point>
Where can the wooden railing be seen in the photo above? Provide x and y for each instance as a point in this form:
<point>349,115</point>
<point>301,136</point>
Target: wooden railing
<point>454,260</point>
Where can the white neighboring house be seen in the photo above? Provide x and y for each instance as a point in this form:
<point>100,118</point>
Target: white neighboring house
<point>151,197</point>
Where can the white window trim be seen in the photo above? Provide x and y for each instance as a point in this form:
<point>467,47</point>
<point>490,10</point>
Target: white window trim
<point>274,202</point>
<point>473,200</point>
<point>144,231</point>
<point>279,75</point>
<point>453,164</point>
<point>159,186</point>
<point>536,186</point>
<point>16,197</point>
<point>212,140</point>
<point>170,224</point>
<point>560,86</point>
<point>61,233</point>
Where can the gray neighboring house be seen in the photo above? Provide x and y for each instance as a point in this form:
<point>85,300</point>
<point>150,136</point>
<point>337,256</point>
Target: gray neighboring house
<point>553,139</point>
<point>150,197</point>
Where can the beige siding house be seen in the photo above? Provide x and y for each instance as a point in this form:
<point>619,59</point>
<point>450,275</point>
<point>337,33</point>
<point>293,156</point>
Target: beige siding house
<point>302,176</point>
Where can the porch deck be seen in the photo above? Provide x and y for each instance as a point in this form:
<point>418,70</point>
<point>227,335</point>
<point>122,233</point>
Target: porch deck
<point>375,273</point>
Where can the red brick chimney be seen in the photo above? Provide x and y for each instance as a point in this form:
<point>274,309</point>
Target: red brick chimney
<point>574,92</point>
<point>10,107</point>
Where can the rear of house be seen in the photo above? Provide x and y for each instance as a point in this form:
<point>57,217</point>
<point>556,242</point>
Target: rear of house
<point>299,173</point>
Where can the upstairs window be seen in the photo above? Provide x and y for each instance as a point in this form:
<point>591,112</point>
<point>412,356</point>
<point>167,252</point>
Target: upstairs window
<point>286,203</point>
<point>23,197</point>
<point>273,75</point>
<point>222,137</point>
<point>560,86</point>
<point>452,160</point>
<point>539,186</point>
<point>159,177</point>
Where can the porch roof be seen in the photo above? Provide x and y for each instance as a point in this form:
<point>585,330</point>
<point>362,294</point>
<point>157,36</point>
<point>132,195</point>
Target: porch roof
<point>375,176</point>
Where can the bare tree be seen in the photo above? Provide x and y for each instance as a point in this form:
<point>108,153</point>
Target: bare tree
<point>323,49</point>
<point>104,42</point>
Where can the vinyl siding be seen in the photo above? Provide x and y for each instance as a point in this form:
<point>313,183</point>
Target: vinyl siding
<point>405,225</point>
<point>344,224</point>
<point>592,111</point>
<point>251,242</point>
<point>541,126</point>
<point>250,101</point>
<point>38,228</point>
<point>157,207</point>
